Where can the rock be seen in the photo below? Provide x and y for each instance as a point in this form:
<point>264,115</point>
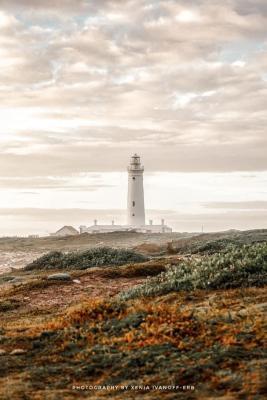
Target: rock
<point>17,352</point>
<point>59,277</point>
<point>2,352</point>
<point>76,281</point>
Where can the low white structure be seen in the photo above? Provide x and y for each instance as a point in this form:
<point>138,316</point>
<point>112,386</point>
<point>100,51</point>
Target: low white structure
<point>135,207</point>
<point>95,228</point>
<point>65,231</point>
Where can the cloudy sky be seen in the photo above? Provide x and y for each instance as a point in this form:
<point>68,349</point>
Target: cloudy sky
<point>84,84</point>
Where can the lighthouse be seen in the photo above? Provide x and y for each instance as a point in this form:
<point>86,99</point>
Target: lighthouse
<point>135,204</point>
<point>135,207</point>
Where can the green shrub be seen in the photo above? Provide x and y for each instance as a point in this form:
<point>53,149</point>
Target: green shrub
<point>203,246</point>
<point>214,246</point>
<point>238,267</point>
<point>8,305</point>
<point>213,242</point>
<point>150,268</point>
<point>50,260</point>
<point>101,256</point>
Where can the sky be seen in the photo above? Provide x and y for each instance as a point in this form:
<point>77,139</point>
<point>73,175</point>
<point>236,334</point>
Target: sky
<point>85,84</point>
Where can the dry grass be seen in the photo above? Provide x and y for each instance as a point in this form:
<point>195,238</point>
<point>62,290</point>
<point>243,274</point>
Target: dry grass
<point>150,248</point>
<point>82,334</point>
<point>150,268</point>
<point>192,339</point>
<point>86,241</point>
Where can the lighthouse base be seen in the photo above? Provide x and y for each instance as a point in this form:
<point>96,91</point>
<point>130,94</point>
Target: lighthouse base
<point>125,228</point>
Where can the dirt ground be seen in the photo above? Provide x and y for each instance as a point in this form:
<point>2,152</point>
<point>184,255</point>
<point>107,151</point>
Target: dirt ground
<point>65,294</point>
<point>10,260</point>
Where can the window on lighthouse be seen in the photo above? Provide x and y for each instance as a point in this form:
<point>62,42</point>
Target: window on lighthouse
<point>133,178</point>
<point>133,203</point>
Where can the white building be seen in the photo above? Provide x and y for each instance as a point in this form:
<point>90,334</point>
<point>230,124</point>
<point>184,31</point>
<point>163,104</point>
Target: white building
<point>135,207</point>
<point>65,231</point>
<point>151,228</point>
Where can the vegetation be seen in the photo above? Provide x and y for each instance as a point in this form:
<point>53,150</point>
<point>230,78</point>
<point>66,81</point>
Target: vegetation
<point>213,246</point>
<point>198,324</point>
<point>186,340</point>
<point>203,247</point>
<point>101,256</point>
<point>237,267</point>
<point>149,268</point>
<point>8,305</point>
<point>216,242</point>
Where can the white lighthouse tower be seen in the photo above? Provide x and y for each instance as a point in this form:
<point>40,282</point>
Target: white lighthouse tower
<point>136,206</point>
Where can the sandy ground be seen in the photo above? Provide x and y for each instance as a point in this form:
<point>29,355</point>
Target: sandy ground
<point>16,259</point>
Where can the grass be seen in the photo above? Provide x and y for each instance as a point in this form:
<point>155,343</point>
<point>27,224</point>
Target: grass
<point>149,268</point>
<point>145,342</point>
<point>237,267</point>
<point>101,256</point>
<point>197,322</point>
<point>211,243</point>
<point>9,305</point>
<point>35,284</point>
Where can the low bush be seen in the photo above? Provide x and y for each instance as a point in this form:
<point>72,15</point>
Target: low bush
<point>214,246</point>
<point>96,257</point>
<point>238,267</point>
<point>211,243</point>
<point>151,268</point>
<point>8,305</point>
<point>51,260</point>
<point>202,246</point>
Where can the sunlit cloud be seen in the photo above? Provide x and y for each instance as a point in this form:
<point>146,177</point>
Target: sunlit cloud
<point>187,16</point>
<point>84,84</point>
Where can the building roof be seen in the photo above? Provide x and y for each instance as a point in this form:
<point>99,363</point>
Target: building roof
<point>69,228</point>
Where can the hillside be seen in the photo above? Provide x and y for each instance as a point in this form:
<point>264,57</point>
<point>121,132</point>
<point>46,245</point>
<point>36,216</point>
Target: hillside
<point>16,252</point>
<point>86,240</point>
<point>187,325</point>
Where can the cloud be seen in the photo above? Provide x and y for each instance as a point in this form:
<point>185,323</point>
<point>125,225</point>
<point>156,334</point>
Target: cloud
<point>83,83</point>
<point>73,5</point>
<point>238,205</point>
<point>79,182</point>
